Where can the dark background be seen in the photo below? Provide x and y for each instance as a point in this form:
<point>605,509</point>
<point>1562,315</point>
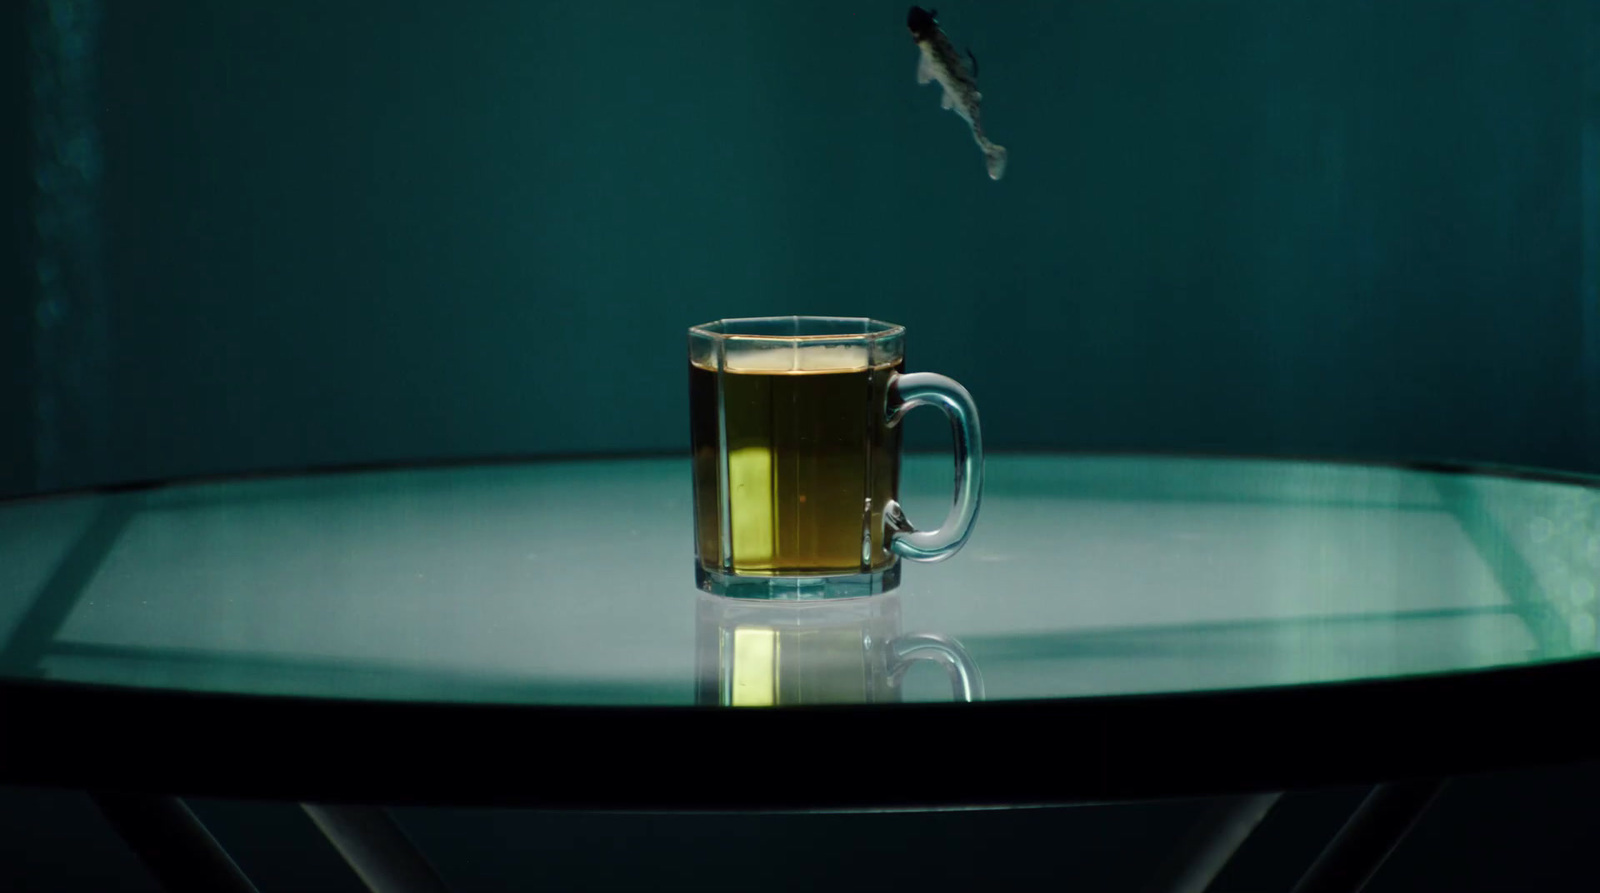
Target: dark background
<point>16,306</point>
<point>350,231</point>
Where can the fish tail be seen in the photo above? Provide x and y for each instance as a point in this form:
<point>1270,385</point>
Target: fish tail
<point>995,159</point>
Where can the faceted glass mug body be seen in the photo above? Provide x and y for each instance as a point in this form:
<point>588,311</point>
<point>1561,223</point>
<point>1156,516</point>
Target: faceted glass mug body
<point>795,433</point>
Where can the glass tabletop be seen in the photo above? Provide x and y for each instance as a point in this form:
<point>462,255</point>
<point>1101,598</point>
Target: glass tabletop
<point>570,583</point>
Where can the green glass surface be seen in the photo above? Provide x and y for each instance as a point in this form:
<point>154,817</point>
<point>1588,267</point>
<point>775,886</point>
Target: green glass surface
<point>569,582</point>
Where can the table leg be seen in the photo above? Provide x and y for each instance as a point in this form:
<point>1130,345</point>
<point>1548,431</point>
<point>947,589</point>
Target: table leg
<point>1372,833</point>
<point>375,847</point>
<point>1207,849</point>
<point>173,843</point>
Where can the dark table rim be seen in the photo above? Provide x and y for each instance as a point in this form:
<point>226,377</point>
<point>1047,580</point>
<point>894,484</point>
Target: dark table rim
<point>915,756</point>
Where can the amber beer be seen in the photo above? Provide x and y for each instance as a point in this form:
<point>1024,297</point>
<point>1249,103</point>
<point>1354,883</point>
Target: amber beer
<point>811,461</point>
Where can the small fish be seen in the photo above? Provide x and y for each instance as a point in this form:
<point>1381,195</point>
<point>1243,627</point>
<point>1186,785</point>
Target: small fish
<point>940,62</point>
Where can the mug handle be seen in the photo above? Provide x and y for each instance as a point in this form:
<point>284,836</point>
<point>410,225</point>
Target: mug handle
<point>966,682</point>
<point>931,389</point>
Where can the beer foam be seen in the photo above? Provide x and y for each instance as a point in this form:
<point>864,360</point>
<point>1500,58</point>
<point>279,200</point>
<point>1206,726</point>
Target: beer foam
<point>804,358</point>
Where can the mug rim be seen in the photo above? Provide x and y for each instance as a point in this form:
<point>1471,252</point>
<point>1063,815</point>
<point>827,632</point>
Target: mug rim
<point>877,329</point>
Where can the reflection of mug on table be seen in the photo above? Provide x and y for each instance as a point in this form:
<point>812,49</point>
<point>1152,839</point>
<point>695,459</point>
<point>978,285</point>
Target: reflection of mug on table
<point>766,654</point>
<point>796,438</point>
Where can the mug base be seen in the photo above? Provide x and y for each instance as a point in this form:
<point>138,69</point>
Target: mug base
<point>797,588</point>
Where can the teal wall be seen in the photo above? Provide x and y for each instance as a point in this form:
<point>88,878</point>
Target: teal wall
<point>340,232</point>
<point>16,371</point>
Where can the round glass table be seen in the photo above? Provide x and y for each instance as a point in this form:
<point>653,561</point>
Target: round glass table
<point>528,634</point>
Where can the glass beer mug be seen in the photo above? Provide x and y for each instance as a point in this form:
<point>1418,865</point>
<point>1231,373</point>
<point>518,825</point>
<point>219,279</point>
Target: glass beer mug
<point>795,427</point>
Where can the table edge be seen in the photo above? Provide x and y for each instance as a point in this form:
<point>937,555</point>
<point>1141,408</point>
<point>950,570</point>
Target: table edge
<point>905,756</point>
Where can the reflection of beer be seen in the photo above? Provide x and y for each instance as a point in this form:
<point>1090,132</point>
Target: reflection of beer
<point>810,461</point>
<point>759,653</point>
<point>767,654</point>
<point>770,666</point>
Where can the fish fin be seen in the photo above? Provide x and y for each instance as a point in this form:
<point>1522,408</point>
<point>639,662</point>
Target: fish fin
<point>974,60</point>
<point>924,70</point>
<point>946,101</point>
